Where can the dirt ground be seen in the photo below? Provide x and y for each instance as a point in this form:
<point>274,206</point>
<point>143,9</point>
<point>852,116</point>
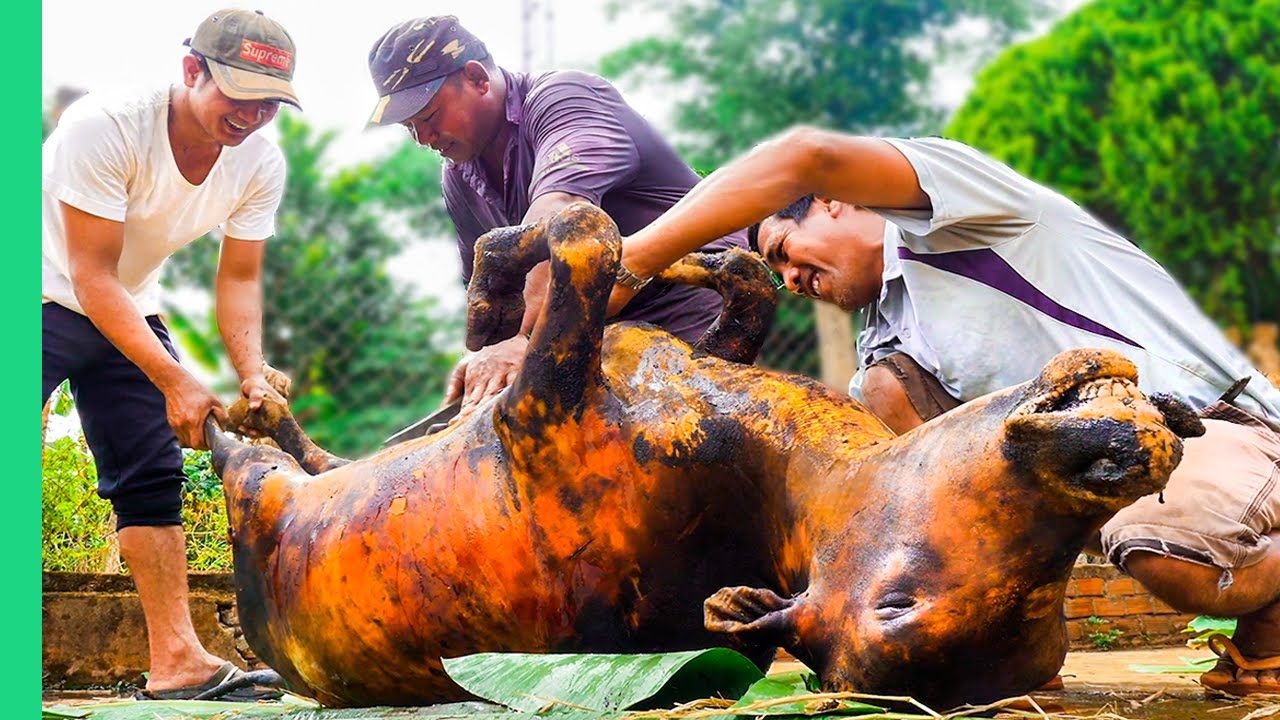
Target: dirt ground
<point>1100,685</point>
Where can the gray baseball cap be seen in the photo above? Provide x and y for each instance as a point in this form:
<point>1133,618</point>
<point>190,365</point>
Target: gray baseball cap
<point>411,61</point>
<point>250,56</point>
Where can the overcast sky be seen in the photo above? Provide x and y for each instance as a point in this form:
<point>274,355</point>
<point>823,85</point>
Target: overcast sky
<point>128,44</point>
<point>136,44</point>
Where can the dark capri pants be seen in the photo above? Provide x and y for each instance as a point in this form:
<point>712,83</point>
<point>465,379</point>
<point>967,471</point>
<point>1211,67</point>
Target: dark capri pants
<point>123,416</point>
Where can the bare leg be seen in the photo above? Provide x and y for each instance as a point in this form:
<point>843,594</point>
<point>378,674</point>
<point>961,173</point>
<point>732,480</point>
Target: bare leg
<point>157,557</point>
<point>884,396</point>
<point>1253,598</point>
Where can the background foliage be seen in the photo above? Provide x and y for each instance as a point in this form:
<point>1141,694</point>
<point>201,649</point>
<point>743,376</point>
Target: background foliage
<point>756,67</point>
<point>1162,118</point>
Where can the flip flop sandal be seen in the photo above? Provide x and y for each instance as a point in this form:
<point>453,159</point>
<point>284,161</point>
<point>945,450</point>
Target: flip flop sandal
<point>1229,659</point>
<point>226,677</point>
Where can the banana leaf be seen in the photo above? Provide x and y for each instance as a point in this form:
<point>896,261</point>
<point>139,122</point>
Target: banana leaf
<point>62,712</point>
<point>600,683</point>
<point>794,685</point>
<point>1198,665</point>
<point>289,709</point>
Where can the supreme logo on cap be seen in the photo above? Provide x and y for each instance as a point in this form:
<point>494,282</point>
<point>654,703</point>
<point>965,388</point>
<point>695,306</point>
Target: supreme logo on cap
<point>266,55</point>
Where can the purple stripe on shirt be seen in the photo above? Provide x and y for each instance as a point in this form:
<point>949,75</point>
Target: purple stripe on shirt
<point>984,265</point>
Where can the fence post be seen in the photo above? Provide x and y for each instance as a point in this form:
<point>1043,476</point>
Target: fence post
<point>835,345</point>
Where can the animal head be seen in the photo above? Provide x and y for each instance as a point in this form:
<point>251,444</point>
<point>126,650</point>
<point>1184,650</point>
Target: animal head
<point>947,579</point>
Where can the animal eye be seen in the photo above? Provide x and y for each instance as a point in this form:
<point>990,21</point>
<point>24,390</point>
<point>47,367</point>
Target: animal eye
<point>894,604</point>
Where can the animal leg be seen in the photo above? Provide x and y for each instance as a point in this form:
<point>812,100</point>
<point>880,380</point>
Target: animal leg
<point>749,300</point>
<point>495,297</point>
<point>276,422</point>
<point>562,365</point>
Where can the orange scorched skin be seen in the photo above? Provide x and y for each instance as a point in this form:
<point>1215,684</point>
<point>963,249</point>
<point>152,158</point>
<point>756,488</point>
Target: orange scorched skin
<point>626,478</point>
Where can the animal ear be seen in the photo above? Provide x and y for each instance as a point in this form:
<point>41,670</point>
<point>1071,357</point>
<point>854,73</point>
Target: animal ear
<point>750,614</point>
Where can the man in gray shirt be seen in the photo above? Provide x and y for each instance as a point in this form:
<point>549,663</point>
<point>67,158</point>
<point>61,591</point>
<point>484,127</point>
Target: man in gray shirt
<point>972,277</point>
<point>520,148</point>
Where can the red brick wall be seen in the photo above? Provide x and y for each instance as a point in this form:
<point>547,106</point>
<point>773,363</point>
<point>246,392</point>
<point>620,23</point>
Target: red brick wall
<point>1118,602</point>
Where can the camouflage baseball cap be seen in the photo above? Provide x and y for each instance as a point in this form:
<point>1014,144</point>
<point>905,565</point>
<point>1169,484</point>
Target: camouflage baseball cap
<point>250,55</point>
<point>410,62</point>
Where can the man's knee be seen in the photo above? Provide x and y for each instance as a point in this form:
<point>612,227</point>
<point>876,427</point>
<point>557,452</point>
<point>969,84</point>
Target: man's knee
<point>903,394</point>
<point>152,507</point>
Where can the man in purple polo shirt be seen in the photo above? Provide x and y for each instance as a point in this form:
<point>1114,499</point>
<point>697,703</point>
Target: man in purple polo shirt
<point>520,148</point>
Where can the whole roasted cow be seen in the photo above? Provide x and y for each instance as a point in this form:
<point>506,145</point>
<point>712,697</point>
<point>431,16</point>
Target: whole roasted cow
<point>630,493</point>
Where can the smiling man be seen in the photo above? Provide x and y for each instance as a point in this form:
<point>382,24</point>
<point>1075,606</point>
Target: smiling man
<point>971,277</point>
<point>518,149</point>
<point>128,181</point>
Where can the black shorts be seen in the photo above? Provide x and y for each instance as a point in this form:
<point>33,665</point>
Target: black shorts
<point>123,416</point>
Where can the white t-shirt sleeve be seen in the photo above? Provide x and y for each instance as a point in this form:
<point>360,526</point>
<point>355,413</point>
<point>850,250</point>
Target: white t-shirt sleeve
<point>255,218</point>
<point>965,188</point>
<point>87,164</point>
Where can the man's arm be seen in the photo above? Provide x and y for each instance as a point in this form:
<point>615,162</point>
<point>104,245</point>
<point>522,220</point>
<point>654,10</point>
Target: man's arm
<point>856,170</point>
<point>238,306</point>
<point>94,245</point>
<point>488,371</point>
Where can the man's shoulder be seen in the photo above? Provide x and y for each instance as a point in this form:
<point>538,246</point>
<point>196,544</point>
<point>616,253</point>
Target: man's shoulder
<point>257,157</point>
<point>561,83</point>
<point>120,104</point>
<point>124,109</point>
<point>452,178</point>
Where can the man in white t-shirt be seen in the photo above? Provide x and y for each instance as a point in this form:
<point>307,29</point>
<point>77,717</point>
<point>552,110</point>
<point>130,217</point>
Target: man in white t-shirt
<point>972,277</point>
<point>126,183</point>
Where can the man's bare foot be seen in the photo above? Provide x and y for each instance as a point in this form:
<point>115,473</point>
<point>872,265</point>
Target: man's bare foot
<point>186,675</point>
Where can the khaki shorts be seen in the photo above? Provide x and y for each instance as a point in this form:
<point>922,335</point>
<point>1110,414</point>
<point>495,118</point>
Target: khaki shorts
<point>1221,502</point>
<point>923,391</point>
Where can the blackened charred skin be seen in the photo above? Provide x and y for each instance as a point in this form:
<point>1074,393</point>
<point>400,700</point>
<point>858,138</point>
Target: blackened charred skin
<point>623,478</point>
<point>495,297</point>
<point>561,370</point>
<point>1178,415</point>
<point>1088,463</point>
<point>750,300</point>
<point>274,420</point>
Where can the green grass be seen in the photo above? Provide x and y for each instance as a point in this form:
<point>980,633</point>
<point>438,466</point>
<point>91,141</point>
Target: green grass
<point>78,528</point>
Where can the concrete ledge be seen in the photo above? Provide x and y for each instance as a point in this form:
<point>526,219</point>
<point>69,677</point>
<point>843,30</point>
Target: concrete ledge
<point>94,633</point>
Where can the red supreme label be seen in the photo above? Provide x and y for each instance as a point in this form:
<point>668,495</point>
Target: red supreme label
<point>265,55</point>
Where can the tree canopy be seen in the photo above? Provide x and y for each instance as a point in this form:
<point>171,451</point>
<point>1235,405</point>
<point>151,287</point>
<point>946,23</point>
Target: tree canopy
<point>755,67</point>
<point>1162,118</point>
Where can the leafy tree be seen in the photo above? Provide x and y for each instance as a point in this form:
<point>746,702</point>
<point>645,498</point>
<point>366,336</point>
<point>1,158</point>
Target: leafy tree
<point>759,66</point>
<point>366,355</point>
<point>1163,118</point>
